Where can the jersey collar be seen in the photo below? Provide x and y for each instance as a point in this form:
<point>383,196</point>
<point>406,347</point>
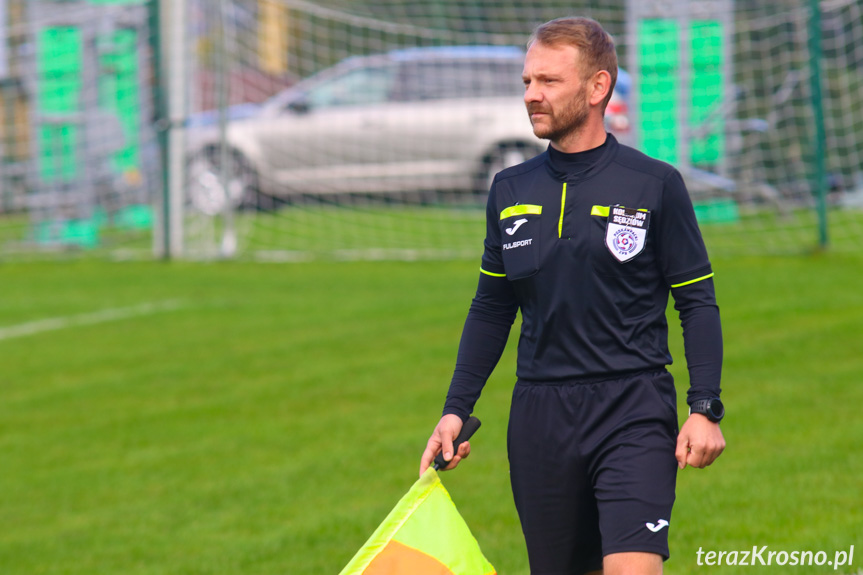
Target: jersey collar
<point>582,165</point>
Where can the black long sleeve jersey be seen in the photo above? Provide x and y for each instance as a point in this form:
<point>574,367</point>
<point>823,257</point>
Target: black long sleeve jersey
<point>588,246</point>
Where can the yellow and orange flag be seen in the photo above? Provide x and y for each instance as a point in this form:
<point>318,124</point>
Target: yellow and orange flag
<point>423,535</point>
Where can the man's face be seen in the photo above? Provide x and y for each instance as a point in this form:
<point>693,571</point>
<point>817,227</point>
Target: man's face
<point>556,97</point>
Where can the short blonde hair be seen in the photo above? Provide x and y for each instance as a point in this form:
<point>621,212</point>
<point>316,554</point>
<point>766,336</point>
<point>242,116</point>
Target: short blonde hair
<point>595,46</point>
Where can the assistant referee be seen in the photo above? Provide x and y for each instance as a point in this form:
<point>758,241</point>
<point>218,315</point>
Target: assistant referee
<point>587,240</point>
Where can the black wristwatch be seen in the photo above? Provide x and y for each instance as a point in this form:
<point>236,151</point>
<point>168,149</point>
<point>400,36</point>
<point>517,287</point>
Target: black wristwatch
<point>711,408</point>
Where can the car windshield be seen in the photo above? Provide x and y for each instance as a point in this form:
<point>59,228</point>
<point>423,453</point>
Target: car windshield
<point>468,78</point>
<point>407,80</point>
<point>360,86</point>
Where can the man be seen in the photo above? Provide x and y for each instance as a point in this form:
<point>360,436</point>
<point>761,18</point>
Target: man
<point>587,240</point>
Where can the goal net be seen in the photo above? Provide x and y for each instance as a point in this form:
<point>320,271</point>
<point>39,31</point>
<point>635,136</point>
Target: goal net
<point>386,152</point>
<point>370,129</point>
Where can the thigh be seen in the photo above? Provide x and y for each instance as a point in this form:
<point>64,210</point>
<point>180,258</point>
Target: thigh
<point>551,485</point>
<point>636,476</point>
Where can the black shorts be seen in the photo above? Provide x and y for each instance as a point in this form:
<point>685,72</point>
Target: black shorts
<point>593,469</point>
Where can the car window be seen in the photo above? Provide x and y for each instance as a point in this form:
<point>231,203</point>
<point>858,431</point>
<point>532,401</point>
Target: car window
<point>448,79</point>
<point>360,86</point>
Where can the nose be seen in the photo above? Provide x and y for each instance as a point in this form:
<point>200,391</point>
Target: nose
<point>532,93</point>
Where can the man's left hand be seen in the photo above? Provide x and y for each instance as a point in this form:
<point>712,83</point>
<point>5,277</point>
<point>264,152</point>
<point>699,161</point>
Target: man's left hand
<point>699,443</point>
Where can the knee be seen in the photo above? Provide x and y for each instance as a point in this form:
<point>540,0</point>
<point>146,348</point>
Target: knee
<point>632,564</point>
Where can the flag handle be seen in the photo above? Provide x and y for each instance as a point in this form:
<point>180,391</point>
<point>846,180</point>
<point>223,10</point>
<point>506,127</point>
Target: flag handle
<point>468,429</point>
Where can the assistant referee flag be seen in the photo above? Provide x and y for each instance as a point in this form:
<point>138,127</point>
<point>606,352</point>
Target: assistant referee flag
<point>423,535</point>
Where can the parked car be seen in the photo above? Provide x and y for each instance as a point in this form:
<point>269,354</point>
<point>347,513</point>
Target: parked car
<point>443,118</point>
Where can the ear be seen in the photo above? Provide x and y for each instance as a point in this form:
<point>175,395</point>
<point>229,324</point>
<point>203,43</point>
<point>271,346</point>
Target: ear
<point>600,86</point>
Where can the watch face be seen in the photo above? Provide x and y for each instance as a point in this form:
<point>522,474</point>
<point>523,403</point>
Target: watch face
<point>716,408</point>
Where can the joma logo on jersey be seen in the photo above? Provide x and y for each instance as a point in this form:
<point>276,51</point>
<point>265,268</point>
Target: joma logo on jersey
<point>520,244</point>
<point>515,225</point>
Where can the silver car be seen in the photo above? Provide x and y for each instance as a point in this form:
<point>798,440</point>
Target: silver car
<point>444,118</point>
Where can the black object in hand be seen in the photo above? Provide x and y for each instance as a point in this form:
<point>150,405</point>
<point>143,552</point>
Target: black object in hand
<point>468,429</point>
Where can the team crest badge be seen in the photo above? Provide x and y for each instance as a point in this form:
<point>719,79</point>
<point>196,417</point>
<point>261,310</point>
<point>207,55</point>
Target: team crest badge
<point>626,232</point>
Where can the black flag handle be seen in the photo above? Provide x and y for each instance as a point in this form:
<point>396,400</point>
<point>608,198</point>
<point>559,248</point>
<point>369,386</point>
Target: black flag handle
<point>468,429</point>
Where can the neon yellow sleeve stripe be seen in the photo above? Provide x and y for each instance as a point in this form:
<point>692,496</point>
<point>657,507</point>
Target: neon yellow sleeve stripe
<point>562,207</point>
<point>521,210</point>
<point>494,275</point>
<point>693,281</point>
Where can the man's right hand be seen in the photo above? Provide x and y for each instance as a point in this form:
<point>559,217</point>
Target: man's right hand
<point>441,440</point>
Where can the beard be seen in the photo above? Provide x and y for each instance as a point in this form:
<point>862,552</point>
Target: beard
<point>568,121</point>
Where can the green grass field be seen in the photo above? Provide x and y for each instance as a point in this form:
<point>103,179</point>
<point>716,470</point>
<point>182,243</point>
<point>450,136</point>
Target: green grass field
<point>256,418</point>
<point>363,228</point>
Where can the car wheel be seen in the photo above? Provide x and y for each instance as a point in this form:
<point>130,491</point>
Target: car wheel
<point>206,188</point>
<point>504,156</point>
